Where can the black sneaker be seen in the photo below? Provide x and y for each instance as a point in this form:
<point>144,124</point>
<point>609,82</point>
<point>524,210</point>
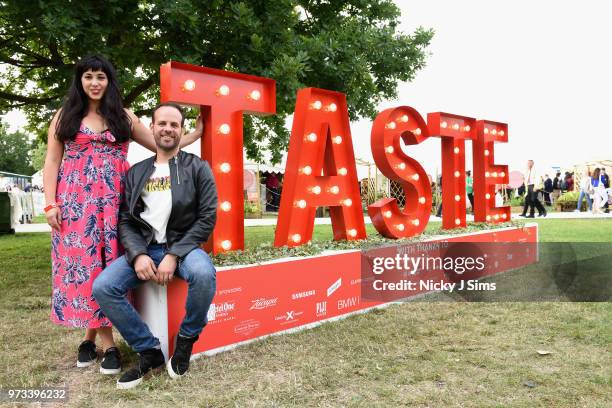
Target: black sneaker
<point>87,354</point>
<point>148,360</point>
<point>111,362</point>
<point>178,364</point>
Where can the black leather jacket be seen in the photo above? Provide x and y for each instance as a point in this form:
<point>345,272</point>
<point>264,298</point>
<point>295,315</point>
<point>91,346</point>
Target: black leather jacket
<point>194,206</point>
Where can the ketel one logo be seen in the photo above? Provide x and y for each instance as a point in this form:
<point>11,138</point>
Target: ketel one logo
<point>321,308</point>
<point>304,294</point>
<point>334,287</point>
<point>263,303</point>
<point>350,302</point>
<point>220,310</point>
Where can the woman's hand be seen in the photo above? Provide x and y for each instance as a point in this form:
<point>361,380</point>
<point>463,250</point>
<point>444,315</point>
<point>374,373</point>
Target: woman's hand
<point>54,218</point>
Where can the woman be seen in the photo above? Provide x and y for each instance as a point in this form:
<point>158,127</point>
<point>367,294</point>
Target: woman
<point>598,192</point>
<point>91,132</point>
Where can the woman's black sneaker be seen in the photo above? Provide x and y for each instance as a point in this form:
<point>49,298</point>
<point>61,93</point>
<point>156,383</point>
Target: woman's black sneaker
<point>111,362</point>
<point>148,360</point>
<point>178,365</point>
<point>87,354</point>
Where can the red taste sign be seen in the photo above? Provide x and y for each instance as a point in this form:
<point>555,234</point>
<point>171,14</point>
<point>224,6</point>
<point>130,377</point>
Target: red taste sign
<point>321,168</point>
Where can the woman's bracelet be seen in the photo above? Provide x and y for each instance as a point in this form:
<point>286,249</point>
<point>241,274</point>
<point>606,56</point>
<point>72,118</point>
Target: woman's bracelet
<point>51,206</point>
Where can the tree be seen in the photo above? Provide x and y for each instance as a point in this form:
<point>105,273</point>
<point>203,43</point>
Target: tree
<point>39,152</point>
<point>15,152</point>
<point>351,46</point>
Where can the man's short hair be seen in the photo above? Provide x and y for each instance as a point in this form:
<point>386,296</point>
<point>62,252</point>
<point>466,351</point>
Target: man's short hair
<point>172,105</point>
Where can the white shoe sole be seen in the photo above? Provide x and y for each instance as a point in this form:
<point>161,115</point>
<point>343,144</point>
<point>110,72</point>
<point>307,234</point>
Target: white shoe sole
<point>110,371</point>
<point>171,372</point>
<point>128,385</point>
<point>83,364</point>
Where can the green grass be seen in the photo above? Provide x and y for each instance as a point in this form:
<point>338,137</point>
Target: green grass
<point>421,353</point>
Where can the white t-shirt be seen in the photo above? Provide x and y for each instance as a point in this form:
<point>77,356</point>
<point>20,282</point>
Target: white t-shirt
<point>157,199</point>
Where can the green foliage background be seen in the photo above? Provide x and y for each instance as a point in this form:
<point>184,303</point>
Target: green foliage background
<point>351,46</point>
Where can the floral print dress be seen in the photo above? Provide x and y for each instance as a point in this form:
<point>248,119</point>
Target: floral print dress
<point>90,187</point>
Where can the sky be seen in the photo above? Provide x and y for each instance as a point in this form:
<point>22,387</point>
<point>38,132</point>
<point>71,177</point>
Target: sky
<point>544,67</point>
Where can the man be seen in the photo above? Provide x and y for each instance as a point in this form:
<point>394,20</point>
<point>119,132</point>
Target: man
<point>168,211</point>
<point>548,189</point>
<point>557,185</point>
<point>531,196</point>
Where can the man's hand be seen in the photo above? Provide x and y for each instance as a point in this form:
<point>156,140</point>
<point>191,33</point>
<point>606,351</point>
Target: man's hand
<point>166,269</point>
<point>145,268</point>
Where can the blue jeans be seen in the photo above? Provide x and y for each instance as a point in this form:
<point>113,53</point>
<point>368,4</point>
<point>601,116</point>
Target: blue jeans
<point>588,198</point>
<point>112,285</point>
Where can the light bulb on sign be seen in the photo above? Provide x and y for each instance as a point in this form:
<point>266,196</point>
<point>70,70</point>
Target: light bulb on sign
<point>338,139</point>
<point>444,125</point>
<point>223,90</point>
<point>300,203</point>
<point>496,216</point>
<point>467,128</point>
<point>501,133</point>
<point>331,107</point>
<point>225,167</point>
<point>457,197</point>
<point>486,131</point>
<point>307,170</point>
<point>404,118</point>
<point>352,233</point>
<point>457,221</point>
<point>316,190</point>
<point>255,95</point>
<point>417,131</point>
<point>387,214</point>
<point>487,196</point>
<point>504,216</point>
<point>486,152</point>
<point>457,174</point>
<point>224,129</point>
<point>401,166</point>
<point>415,222</point>
<point>389,149</point>
<point>456,126</point>
<point>226,206</point>
<point>391,125</point>
<point>342,171</point>
<point>311,137</point>
<point>488,218</point>
<point>502,174</point>
<point>334,189</point>
<point>487,174</point>
<point>415,177</point>
<point>347,202</point>
<point>226,245</point>
<point>189,85</point>
<point>422,200</point>
<point>400,227</point>
<point>296,238</point>
<point>316,105</point>
<point>494,132</point>
<point>457,150</point>
<point>494,174</point>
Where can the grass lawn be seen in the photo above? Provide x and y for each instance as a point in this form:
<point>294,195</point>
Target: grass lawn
<point>421,353</point>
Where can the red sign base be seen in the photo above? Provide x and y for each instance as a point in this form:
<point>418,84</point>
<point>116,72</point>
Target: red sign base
<point>285,295</point>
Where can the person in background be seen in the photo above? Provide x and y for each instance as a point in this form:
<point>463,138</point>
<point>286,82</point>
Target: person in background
<point>598,192</point>
<point>586,189</point>
<point>469,188</point>
<point>569,182</point>
<point>557,184</point>
<point>605,179</point>
<point>532,185</point>
<point>548,189</point>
